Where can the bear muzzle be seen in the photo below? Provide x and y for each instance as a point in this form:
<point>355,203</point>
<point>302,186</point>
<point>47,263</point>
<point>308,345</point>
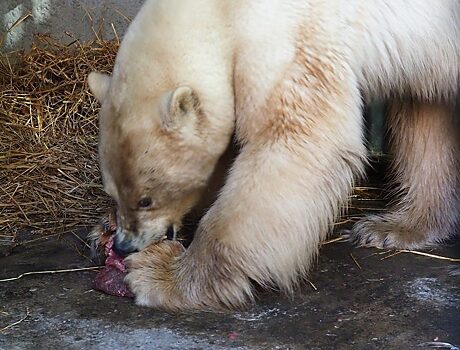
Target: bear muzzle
<point>123,245</point>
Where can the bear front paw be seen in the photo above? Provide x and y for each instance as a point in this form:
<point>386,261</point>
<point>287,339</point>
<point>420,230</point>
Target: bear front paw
<point>389,232</point>
<point>150,275</point>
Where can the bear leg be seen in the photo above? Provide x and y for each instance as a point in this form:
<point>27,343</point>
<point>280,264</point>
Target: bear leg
<point>265,227</point>
<point>425,144</point>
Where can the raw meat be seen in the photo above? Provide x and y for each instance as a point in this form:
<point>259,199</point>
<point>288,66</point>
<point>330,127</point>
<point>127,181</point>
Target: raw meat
<point>110,279</point>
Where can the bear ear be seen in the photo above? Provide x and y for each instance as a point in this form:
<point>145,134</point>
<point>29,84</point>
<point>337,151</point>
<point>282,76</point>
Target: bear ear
<point>179,107</point>
<point>99,85</point>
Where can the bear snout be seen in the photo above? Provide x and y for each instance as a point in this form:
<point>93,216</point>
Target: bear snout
<point>123,247</point>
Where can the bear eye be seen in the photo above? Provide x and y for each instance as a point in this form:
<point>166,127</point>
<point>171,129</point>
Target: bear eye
<point>145,202</point>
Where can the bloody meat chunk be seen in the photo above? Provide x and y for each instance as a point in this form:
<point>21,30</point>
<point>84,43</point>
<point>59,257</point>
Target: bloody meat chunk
<point>110,279</point>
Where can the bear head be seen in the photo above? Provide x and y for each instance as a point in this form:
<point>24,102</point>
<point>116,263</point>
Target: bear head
<point>156,156</point>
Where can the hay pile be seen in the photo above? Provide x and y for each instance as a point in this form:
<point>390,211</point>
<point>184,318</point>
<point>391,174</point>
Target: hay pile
<point>49,176</point>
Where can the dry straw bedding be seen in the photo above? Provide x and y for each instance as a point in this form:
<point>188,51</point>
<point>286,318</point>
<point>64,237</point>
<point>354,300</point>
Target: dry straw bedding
<point>49,175</point>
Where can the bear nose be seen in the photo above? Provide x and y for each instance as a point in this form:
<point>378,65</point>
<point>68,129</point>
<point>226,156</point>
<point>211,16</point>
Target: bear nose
<point>171,233</point>
<point>122,247</point>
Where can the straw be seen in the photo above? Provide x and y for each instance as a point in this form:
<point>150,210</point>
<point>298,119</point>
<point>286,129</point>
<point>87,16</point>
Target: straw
<point>49,174</point>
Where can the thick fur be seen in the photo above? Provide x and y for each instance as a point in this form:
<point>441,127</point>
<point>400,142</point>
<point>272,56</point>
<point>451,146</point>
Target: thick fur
<point>425,142</point>
<point>288,78</point>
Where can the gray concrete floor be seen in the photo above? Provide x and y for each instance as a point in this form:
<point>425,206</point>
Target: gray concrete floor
<point>395,303</point>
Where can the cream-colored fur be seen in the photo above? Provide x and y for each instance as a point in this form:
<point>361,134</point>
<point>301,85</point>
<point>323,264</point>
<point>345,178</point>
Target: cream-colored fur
<point>426,147</point>
<point>288,78</point>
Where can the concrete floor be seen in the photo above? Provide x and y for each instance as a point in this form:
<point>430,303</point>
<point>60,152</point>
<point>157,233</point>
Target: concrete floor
<point>395,303</point>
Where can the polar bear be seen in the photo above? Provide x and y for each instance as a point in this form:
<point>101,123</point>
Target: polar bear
<point>288,80</point>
